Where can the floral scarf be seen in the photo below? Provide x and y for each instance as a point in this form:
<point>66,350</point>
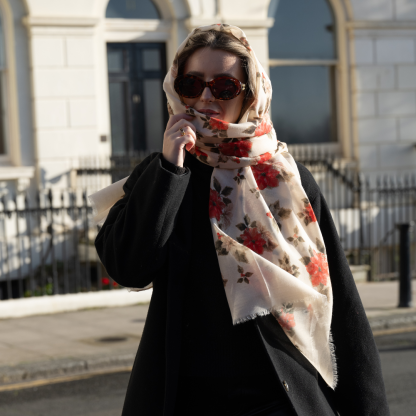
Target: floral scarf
<point>269,245</point>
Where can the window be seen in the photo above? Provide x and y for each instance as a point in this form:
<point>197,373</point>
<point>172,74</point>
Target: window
<point>132,9</point>
<point>2,90</point>
<point>302,62</point>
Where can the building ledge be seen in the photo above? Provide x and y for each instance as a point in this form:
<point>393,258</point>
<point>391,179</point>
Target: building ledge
<point>9,173</point>
<point>194,22</point>
<point>382,24</point>
<point>30,21</point>
<point>147,25</point>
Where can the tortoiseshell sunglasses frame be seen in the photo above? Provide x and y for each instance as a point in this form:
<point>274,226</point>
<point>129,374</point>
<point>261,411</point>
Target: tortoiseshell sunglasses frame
<point>210,84</point>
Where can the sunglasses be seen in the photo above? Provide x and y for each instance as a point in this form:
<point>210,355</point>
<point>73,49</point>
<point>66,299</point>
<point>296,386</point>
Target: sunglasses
<point>222,88</point>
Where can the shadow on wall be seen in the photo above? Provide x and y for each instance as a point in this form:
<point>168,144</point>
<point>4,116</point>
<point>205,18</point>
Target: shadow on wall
<point>62,180</point>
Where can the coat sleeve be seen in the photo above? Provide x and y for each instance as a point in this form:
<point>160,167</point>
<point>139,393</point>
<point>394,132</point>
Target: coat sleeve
<point>360,390</point>
<point>132,241</point>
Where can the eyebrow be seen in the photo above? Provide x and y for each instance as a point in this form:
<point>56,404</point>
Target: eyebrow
<point>200,74</point>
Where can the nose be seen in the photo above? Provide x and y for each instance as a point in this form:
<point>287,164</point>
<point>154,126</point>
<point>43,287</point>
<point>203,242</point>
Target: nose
<point>207,96</point>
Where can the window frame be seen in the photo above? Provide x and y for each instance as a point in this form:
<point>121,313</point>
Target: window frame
<point>155,4</point>
<point>12,155</point>
<point>344,146</point>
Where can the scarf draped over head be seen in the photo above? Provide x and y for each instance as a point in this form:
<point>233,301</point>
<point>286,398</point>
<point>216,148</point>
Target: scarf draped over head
<point>270,249</point>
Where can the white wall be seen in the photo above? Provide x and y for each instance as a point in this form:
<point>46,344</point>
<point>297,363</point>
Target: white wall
<point>379,10</point>
<point>64,88</point>
<point>385,85</point>
<point>55,8</point>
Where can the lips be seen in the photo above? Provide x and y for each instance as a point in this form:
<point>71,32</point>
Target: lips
<point>208,112</point>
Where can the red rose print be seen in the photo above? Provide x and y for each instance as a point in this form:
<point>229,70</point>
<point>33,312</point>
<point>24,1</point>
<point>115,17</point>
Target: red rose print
<point>245,43</point>
<point>105,281</point>
<point>218,124</point>
<point>215,204</point>
<point>219,236</point>
<point>253,240</point>
<point>199,152</point>
<point>286,320</point>
<point>264,128</point>
<point>312,268</point>
<point>318,269</point>
<point>265,176</point>
<point>310,213</point>
<point>240,148</point>
<point>264,157</point>
<point>269,214</point>
<point>235,159</point>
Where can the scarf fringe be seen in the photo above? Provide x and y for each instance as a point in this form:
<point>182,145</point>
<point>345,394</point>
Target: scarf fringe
<point>252,316</point>
<point>333,361</point>
<point>269,311</point>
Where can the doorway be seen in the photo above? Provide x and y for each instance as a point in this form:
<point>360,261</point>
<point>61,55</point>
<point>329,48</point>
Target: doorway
<point>138,110</point>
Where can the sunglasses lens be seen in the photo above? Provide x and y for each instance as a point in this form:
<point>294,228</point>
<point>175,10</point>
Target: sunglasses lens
<point>225,89</point>
<point>190,87</point>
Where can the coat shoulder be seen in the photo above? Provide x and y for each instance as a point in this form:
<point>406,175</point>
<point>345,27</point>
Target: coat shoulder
<point>308,182</point>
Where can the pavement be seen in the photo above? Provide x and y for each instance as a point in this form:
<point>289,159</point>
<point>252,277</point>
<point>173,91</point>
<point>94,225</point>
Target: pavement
<point>38,349</point>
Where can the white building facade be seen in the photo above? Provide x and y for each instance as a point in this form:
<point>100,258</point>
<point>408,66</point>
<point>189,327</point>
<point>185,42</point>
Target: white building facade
<point>81,78</point>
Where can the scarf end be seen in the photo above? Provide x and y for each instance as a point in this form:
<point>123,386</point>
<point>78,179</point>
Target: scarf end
<point>333,362</point>
<point>252,316</point>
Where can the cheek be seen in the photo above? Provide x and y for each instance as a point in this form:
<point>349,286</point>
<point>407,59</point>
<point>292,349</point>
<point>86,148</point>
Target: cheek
<point>233,108</point>
<point>190,101</point>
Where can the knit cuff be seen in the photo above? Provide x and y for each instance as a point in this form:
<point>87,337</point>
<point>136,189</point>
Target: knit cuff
<point>178,170</point>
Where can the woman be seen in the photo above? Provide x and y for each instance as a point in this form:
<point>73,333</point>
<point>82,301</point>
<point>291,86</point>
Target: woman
<point>249,277</point>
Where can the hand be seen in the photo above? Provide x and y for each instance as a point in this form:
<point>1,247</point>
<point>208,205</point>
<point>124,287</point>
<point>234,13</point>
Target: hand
<point>174,144</point>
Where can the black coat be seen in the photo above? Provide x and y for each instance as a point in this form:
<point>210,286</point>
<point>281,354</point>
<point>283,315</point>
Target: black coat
<point>146,238</point>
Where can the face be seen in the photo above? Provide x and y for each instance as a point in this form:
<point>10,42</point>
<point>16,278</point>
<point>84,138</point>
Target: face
<point>207,64</point>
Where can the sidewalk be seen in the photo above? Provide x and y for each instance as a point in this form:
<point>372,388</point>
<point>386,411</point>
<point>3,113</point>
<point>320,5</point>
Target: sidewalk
<point>380,301</point>
<point>47,346</point>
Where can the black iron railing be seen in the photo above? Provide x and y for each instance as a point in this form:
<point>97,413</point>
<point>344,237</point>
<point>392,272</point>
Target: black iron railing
<point>47,246</point>
<point>47,239</point>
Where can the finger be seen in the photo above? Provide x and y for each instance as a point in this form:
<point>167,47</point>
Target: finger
<point>189,135</point>
<point>188,130</point>
<point>187,141</point>
<point>182,124</point>
<point>175,118</point>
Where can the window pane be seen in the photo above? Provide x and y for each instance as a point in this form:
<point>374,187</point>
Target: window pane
<point>132,9</point>
<point>118,117</point>
<point>302,105</point>
<point>151,59</point>
<point>3,81</point>
<point>303,29</point>
<point>153,108</point>
<point>2,46</point>
<point>2,115</point>
<point>115,60</point>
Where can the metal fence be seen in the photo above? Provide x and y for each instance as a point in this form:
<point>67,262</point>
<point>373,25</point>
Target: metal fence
<point>94,173</point>
<point>47,246</point>
<point>47,240</point>
<point>366,210</point>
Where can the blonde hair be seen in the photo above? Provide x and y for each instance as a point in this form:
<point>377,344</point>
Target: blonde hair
<point>215,39</point>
